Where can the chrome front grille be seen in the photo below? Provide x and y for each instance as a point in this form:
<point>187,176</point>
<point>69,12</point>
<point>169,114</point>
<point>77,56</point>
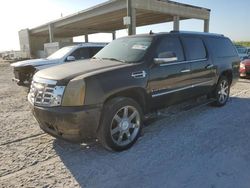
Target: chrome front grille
<point>45,93</point>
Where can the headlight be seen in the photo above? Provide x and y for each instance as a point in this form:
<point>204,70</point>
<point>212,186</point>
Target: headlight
<point>74,94</point>
<point>242,65</point>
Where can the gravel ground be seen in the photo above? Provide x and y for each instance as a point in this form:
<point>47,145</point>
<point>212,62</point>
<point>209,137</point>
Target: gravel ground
<point>191,145</point>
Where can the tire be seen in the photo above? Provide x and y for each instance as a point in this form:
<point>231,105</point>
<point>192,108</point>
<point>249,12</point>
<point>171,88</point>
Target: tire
<point>222,91</point>
<point>121,124</point>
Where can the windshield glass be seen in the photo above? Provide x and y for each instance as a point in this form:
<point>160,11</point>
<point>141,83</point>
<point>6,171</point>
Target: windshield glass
<point>60,53</point>
<point>128,50</point>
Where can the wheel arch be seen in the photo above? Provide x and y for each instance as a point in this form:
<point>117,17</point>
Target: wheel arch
<point>227,73</point>
<point>136,93</point>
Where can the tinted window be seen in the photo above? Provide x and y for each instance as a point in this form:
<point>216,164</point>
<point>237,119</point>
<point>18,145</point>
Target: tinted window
<point>81,53</point>
<point>222,47</point>
<point>194,48</point>
<point>94,50</point>
<point>170,45</point>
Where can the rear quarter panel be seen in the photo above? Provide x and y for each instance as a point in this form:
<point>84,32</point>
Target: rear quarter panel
<point>229,62</point>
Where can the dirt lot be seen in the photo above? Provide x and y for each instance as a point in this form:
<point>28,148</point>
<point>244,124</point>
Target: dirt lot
<point>192,146</point>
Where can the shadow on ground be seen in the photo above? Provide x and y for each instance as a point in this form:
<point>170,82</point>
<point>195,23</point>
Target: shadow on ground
<point>204,147</point>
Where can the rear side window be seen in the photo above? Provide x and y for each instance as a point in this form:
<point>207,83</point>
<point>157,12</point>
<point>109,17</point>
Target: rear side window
<point>169,45</point>
<point>194,48</point>
<point>222,47</point>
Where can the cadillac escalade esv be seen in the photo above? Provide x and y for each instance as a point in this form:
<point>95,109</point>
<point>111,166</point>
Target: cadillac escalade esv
<point>108,96</point>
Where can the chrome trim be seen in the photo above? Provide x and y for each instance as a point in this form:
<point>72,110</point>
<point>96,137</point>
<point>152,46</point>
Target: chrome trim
<point>165,60</point>
<point>209,66</point>
<point>44,81</point>
<point>139,74</point>
<point>185,71</point>
<point>45,93</point>
<point>180,89</point>
<point>183,62</point>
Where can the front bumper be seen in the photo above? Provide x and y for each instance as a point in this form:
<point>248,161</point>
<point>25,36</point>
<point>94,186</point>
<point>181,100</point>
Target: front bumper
<point>22,74</point>
<point>74,124</point>
<point>18,77</point>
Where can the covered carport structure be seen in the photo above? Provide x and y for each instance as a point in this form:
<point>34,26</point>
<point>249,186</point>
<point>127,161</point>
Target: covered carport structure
<point>109,17</point>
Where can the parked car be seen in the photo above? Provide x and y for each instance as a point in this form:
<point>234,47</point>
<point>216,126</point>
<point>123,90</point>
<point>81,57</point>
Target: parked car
<point>24,70</point>
<point>245,68</point>
<point>248,52</point>
<point>243,52</point>
<point>108,96</point>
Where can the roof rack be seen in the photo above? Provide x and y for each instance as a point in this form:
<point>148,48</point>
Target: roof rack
<point>196,32</point>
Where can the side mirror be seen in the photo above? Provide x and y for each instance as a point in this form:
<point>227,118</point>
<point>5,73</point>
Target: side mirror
<point>165,57</point>
<point>71,58</point>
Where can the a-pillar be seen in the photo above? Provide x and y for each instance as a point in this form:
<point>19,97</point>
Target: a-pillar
<point>51,33</point>
<point>176,25</point>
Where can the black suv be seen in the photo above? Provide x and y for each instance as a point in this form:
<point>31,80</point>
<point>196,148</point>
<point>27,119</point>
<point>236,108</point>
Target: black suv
<point>108,96</point>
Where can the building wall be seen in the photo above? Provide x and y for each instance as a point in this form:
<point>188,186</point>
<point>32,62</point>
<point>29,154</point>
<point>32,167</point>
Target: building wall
<point>50,48</point>
<point>34,45</point>
<point>24,40</point>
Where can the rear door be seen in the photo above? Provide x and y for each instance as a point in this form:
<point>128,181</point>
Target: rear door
<point>168,80</point>
<point>203,70</point>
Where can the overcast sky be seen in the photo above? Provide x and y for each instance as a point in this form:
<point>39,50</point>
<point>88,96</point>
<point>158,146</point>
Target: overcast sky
<point>228,17</point>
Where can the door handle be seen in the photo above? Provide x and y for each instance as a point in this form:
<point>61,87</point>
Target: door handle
<point>209,66</point>
<point>185,70</point>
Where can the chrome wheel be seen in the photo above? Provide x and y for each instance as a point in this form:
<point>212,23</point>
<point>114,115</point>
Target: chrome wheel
<point>125,125</point>
<point>223,92</point>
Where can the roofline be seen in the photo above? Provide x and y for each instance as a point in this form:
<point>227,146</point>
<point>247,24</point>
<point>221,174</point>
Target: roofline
<point>176,33</point>
<point>196,32</point>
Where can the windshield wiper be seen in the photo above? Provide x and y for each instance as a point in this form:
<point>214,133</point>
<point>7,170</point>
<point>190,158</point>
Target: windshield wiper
<point>96,58</point>
<point>114,59</point>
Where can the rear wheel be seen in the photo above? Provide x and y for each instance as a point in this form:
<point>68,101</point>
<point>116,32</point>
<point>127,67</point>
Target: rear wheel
<point>121,124</point>
<point>222,91</point>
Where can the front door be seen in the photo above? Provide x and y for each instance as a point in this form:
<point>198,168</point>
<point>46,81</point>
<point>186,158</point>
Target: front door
<point>167,81</point>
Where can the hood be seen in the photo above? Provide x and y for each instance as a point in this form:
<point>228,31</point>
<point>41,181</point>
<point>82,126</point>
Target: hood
<point>33,62</point>
<point>69,71</point>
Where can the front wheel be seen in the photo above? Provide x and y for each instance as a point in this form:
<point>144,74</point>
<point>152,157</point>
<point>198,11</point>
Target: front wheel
<point>222,92</point>
<point>121,124</point>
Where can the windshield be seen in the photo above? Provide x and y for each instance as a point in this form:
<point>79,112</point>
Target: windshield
<point>60,53</point>
<point>128,50</point>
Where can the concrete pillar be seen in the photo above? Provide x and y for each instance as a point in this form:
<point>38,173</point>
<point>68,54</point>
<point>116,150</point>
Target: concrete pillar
<point>206,25</point>
<point>176,25</point>
<point>114,35</point>
<point>131,12</point>
<point>86,38</point>
<point>51,33</point>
